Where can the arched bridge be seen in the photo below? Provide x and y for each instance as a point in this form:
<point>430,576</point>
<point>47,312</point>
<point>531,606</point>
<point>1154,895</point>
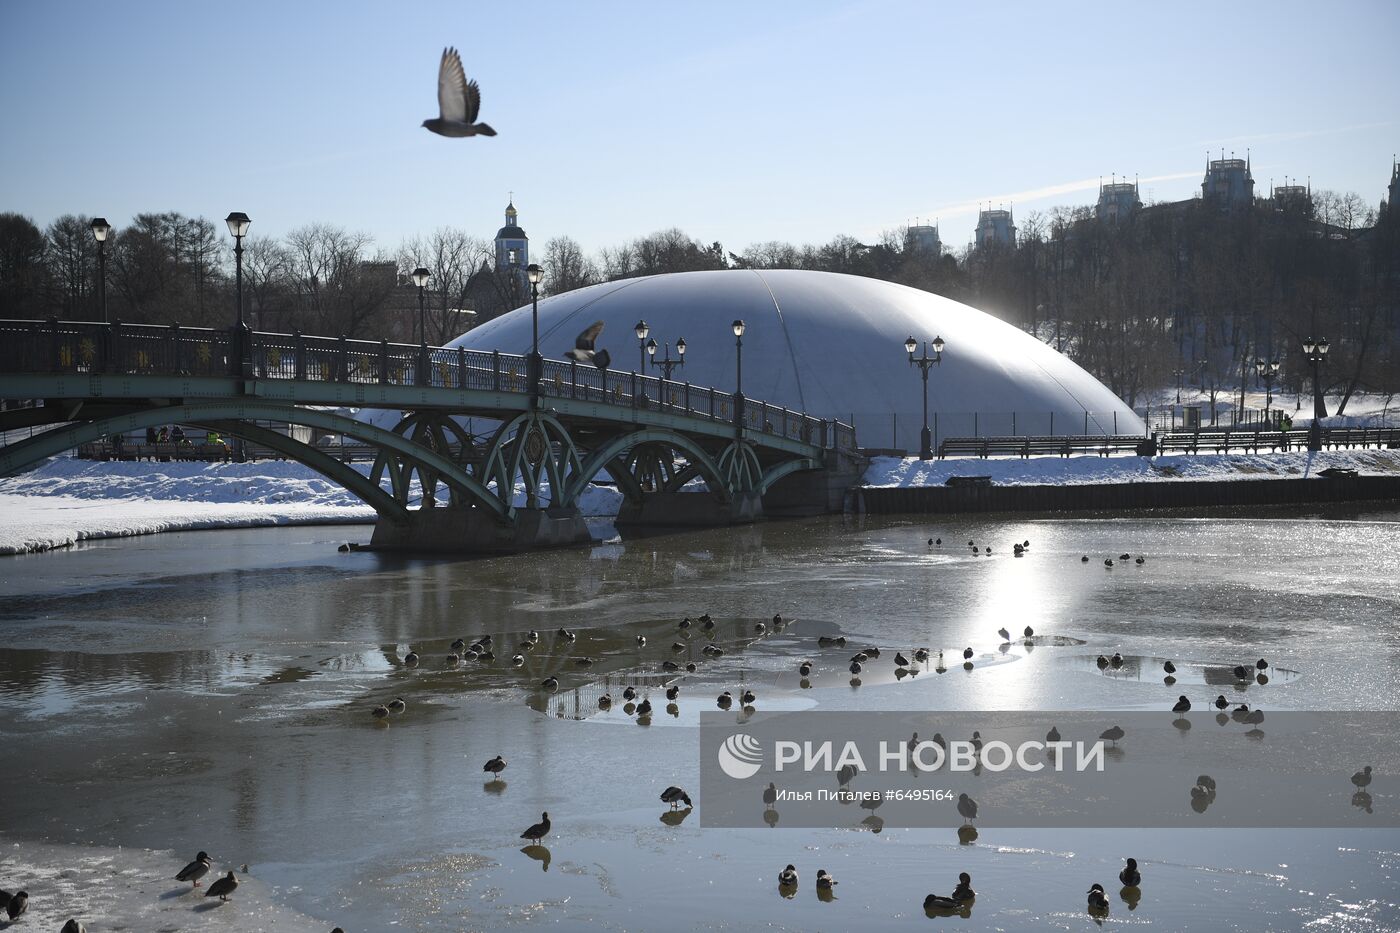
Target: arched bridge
<point>434,485</point>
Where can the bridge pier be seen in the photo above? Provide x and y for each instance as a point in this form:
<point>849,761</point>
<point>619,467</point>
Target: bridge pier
<point>473,530</point>
<point>690,510</point>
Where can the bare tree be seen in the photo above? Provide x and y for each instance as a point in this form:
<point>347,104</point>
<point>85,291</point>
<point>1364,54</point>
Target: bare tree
<point>23,281</point>
<point>337,287</point>
<point>452,256</point>
<point>566,267</point>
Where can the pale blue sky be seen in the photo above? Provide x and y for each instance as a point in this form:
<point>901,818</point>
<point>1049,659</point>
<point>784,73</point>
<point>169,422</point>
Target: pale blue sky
<point>736,121</point>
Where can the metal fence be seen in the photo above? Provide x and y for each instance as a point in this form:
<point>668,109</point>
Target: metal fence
<point>88,347</point>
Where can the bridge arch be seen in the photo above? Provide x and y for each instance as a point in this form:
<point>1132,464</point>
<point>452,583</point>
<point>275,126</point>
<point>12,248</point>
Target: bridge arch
<point>26,453</point>
<point>608,456</point>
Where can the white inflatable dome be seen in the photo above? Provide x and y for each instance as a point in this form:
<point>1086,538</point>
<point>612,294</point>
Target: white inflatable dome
<point>832,346</point>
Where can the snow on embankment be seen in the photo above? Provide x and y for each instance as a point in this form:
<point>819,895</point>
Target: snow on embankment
<point>65,500</point>
<point>1013,471</point>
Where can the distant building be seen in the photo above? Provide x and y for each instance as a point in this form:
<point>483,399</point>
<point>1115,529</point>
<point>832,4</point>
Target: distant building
<point>1117,201</point>
<point>1229,183</point>
<point>1393,191</point>
<point>513,248</point>
<point>1292,199</point>
<point>923,239</point>
<point>995,227</point>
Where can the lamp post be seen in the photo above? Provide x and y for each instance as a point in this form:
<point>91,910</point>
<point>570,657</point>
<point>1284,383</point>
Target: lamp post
<point>667,364</point>
<point>924,361</point>
<point>100,229</point>
<point>513,262</point>
<point>1315,352</point>
<point>420,278</point>
<point>238,224</point>
<point>738,328</point>
<point>641,330</point>
<point>1267,371</point>
<point>535,274</point>
<point>1178,373</point>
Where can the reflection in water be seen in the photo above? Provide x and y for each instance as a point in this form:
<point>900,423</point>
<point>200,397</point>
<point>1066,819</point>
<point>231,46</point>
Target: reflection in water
<point>540,854</point>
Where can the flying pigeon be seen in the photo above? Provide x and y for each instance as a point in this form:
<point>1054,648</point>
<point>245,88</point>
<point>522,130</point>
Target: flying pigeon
<point>583,350</point>
<point>459,100</point>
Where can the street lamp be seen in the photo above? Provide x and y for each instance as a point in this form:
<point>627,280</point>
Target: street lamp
<point>738,328</point>
<point>420,278</point>
<point>924,361</point>
<point>667,364</point>
<point>535,274</point>
<point>641,330</point>
<point>1315,352</point>
<point>513,261</point>
<point>238,224</point>
<point>1178,373</point>
<point>1267,371</point>
<point>100,229</point>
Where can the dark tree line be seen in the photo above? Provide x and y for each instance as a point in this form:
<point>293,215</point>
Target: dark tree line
<point>1176,291</point>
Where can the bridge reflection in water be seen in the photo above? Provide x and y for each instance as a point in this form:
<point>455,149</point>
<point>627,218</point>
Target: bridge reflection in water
<point>560,425</point>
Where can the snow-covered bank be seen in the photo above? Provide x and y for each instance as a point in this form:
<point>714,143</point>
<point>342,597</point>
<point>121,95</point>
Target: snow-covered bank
<point>66,500</point>
<point>1014,471</point>
<point>132,889</point>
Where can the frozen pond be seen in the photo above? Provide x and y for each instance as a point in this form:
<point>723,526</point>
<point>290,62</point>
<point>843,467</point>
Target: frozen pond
<point>212,690</point>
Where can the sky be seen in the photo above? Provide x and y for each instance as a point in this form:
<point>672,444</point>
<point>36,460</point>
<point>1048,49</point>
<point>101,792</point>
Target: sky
<point>740,122</point>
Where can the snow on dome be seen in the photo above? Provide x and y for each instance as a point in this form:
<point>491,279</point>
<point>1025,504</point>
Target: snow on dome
<point>832,346</point>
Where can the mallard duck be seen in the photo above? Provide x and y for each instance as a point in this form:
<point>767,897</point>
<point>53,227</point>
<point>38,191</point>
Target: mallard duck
<point>787,878</point>
<point>495,765</point>
<point>805,668</point>
<point>195,870</point>
<point>1098,901</point>
<point>1140,560</point>
<point>1169,667</point>
<point>1112,734</point>
<point>939,741</point>
<point>1029,632</point>
<point>900,660</point>
<point>827,641</point>
<point>967,807</point>
<point>670,667</point>
<point>1221,702</point>
<point>770,796</point>
<point>223,887</point>
<point>605,701</point>
<point>629,693</point>
<point>684,624</point>
<point>1362,778</point>
<point>517,660</point>
<point>583,662</point>
<point>1182,705</point>
<point>1108,562</point>
<point>532,636</point>
<point>725,700</point>
<point>641,641</point>
<point>678,646</point>
<point>397,705</point>
<point>759,628</point>
<point>777,619</point>
<point>1005,636</point>
<point>550,684</point>
<point>1101,661</point>
<point>1241,672</point>
<point>705,619</point>
<point>644,708</point>
<point>1116,660</point>
<point>675,796</point>
<point>825,881</point>
<point>1084,559</point>
<point>707,623</point>
<point>860,656</point>
<point>380,712</point>
<point>976,740</point>
<point>74,926</point>
<point>748,697</point>
<point>1053,735</point>
<point>962,894</point>
<point>451,660</point>
<point>672,692</point>
<point>1261,664</point>
<point>458,646</point>
<point>691,667</point>
<point>567,635</point>
<point>1130,876</point>
<point>538,831</point>
<point>411,659</point>
<point>921,654</point>
<point>967,654</point>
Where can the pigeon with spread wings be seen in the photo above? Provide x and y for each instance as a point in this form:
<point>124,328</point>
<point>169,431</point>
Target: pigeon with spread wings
<point>459,101</point>
<point>583,350</point>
